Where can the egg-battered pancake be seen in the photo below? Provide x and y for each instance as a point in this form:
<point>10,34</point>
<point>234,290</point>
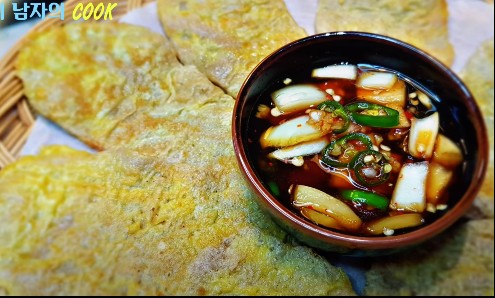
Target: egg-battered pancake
<point>459,262</point>
<point>421,23</point>
<point>226,39</point>
<point>106,83</point>
<point>478,76</point>
<point>165,209</point>
<point>119,223</point>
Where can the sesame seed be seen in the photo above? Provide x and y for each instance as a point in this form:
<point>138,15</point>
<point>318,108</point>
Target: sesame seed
<point>412,95</point>
<point>388,232</point>
<point>442,207</point>
<point>298,161</point>
<point>375,148</point>
<point>287,81</point>
<point>337,98</point>
<point>368,158</point>
<point>275,112</point>
<point>330,91</point>
<point>385,147</point>
<point>431,208</point>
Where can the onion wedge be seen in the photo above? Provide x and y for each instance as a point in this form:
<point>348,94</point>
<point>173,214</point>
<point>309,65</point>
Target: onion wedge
<point>447,153</point>
<point>376,80</point>
<point>320,218</point>
<point>343,71</point>
<point>295,98</point>
<point>302,149</point>
<point>289,133</point>
<point>410,190</point>
<point>388,225</point>
<point>305,196</point>
<point>437,181</point>
<point>423,135</point>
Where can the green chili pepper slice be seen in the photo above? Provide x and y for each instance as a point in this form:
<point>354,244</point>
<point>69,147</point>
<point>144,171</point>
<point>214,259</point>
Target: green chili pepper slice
<point>373,115</point>
<point>366,197</point>
<point>370,168</point>
<point>338,111</point>
<point>274,188</point>
<point>341,148</point>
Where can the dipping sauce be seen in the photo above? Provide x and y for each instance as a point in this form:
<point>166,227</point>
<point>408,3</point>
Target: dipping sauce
<point>355,148</point>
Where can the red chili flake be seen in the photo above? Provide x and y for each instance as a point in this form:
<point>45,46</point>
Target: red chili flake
<point>409,115</point>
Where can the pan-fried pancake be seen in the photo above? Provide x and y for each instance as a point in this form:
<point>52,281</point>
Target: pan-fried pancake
<point>107,83</point>
<point>459,262</point>
<point>164,211</point>
<point>119,223</point>
<point>478,75</point>
<point>226,39</point>
<point>423,24</point>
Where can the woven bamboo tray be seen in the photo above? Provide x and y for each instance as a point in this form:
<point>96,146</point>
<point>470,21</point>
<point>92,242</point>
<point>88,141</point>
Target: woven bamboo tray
<point>16,116</point>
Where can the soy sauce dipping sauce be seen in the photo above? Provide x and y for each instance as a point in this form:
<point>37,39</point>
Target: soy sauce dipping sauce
<point>406,180</point>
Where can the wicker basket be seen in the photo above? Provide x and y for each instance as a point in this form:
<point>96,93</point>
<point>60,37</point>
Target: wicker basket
<point>16,117</point>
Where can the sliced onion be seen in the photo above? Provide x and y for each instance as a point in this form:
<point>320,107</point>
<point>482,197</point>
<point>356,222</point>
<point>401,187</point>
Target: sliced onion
<point>376,80</point>
<point>343,71</point>
<point>437,181</point>
<point>295,98</point>
<point>447,153</point>
<point>305,196</point>
<point>302,149</point>
<point>392,223</point>
<point>289,133</point>
<point>396,95</point>
<point>423,135</point>
<point>410,190</point>
<point>424,99</point>
<point>320,218</point>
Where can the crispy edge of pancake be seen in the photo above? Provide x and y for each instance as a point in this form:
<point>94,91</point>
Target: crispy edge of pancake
<point>458,262</point>
<point>478,76</point>
<point>226,39</point>
<point>424,24</point>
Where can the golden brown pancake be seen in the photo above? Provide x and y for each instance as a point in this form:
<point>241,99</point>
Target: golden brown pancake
<point>164,211</point>
<point>423,24</point>
<point>226,39</point>
<point>118,223</point>
<point>107,83</point>
<point>458,263</point>
<point>478,75</point>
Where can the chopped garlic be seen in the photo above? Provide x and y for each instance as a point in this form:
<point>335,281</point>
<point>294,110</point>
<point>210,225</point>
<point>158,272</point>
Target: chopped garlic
<point>442,207</point>
<point>297,161</point>
<point>330,91</point>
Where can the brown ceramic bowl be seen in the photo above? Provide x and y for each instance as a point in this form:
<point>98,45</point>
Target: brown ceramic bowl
<point>461,121</point>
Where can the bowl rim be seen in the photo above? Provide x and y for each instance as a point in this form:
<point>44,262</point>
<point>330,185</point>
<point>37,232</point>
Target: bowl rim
<point>347,240</point>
